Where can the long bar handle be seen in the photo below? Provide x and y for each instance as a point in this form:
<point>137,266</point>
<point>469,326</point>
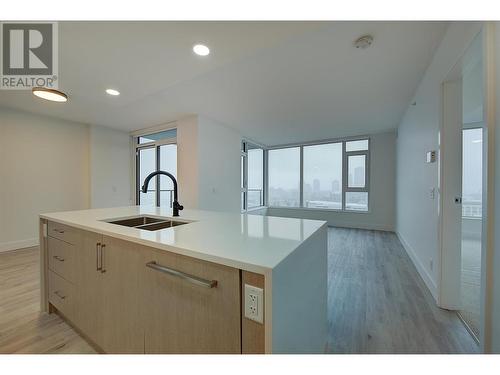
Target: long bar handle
<point>102,258</point>
<point>98,256</point>
<point>192,279</point>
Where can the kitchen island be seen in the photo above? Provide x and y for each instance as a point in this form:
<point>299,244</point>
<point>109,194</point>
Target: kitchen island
<point>137,280</point>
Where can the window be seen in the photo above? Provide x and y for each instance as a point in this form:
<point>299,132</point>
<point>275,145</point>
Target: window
<point>168,163</point>
<point>356,189</point>
<point>252,176</point>
<point>255,195</point>
<point>356,171</point>
<point>170,133</point>
<point>146,164</point>
<point>284,177</point>
<point>323,176</point>
<point>157,151</point>
<point>334,176</point>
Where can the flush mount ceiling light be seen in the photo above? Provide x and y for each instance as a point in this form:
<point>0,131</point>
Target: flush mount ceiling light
<point>112,92</point>
<point>201,50</point>
<point>363,42</point>
<point>50,94</point>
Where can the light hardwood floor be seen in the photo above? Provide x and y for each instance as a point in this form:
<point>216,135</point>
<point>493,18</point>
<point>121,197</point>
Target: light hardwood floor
<point>23,329</point>
<point>471,282</point>
<point>377,303</point>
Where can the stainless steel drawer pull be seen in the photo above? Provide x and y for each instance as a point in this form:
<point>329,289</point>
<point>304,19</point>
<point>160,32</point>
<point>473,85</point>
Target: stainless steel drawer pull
<point>58,230</point>
<point>182,275</point>
<point>102,258</point>
<point>60,259</point>
<point>98,256</point>
<point>59,295</point>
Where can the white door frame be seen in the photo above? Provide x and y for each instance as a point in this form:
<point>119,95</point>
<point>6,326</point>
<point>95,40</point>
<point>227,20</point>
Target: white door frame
<point>487,237</point>
<point>450,188</point>
<point>488,230</point>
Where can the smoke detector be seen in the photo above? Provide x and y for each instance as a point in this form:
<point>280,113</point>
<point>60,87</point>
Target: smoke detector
<point>363,42</point>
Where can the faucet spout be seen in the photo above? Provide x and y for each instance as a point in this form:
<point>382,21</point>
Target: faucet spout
<point>175,205</point>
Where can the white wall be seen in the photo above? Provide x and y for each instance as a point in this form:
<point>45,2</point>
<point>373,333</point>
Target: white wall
<point>208,164</point>
<point>219,166</point>
<point>48,164</point>
<point>382,192</point>
<point>44,166</point>
<point>416,212</point>
<point>187,161</point>
<point>495,267</point>
<point>110,168</point>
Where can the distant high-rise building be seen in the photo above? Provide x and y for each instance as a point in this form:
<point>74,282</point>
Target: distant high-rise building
<point>336,186</point>
<point>316,185</point>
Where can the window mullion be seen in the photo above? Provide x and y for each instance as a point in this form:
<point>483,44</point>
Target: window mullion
<point>344,175</point>
<point>301,179</point>
<point>245,178</point>
<point>157,148</point>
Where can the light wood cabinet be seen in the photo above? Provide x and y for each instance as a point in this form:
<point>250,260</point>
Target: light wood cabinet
<point>123,266</point>
<point>185,317</point>
<point>62,295</point>
<point>63,232</point>
<point>105,287</point>
<point>62,258</point>
<point>109,296</point>
<point>89,286</point>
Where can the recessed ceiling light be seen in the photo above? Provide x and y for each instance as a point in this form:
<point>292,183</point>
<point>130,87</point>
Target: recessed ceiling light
<point>112,92</point>
<point>50,94</point>
<point>201,50</point>
<point>363,42</point>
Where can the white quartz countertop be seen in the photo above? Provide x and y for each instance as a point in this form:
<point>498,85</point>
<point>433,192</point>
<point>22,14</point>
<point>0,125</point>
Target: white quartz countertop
<point>250,242</point>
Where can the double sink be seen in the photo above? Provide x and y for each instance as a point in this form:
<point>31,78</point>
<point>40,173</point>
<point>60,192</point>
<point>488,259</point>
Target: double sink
<point>146,222</point>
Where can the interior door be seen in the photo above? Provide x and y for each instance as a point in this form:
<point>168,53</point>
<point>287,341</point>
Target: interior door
<point>451,195</point>
<point>123,269</point>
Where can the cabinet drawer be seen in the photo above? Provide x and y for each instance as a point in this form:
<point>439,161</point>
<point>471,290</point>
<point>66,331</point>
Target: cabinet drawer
<point>62,295</point>
<point>182,315</point>
<point>63,232</point>
<point>62,258</point>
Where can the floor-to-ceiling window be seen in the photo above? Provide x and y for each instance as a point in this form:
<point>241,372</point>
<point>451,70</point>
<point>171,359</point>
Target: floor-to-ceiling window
<point>329,175</point>
<point>323,176</point>
<point>252,176</point>
<point>157,151</point>
<point>284,177</point>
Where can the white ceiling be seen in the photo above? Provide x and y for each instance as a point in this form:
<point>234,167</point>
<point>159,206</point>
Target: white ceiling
<point>276,82</point>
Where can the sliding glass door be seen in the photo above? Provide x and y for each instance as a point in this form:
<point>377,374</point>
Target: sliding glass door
<point>154,152</point>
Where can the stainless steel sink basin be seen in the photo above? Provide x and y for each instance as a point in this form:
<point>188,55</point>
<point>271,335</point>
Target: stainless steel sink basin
<point>136,221</point>
<point>147,222</point>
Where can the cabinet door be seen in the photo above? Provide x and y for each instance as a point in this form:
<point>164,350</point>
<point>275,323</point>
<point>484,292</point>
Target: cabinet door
<point>123,266</point>
<point>185,317</point>
<point>90,282</point>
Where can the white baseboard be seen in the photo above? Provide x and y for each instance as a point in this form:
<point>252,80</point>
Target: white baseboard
<point>428,281</point>
<point>14,245</point>
<point>367,226</point>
